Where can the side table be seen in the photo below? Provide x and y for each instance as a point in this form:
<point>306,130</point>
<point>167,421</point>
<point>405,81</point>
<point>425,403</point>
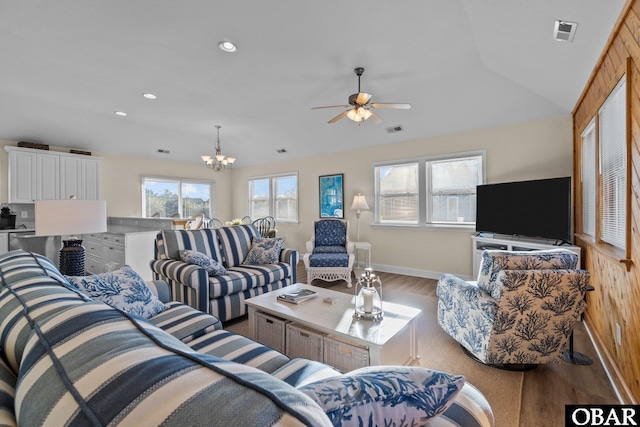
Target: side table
<point>364,246</point>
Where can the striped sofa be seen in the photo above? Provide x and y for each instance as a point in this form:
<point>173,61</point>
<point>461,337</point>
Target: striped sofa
<point>68,360</point>
<point>223,295</point>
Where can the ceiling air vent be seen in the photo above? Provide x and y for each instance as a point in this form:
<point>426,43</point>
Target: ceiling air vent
<point>564,31</point>
<point>394,129</point>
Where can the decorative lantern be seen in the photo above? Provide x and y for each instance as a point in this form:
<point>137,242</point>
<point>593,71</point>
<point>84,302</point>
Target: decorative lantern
<point>369,296</point>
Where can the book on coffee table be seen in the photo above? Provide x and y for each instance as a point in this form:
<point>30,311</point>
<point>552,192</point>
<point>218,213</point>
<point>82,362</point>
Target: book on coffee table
<point>297,296</point>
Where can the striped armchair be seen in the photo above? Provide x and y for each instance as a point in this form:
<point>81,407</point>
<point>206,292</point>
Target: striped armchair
<point>221,295</point>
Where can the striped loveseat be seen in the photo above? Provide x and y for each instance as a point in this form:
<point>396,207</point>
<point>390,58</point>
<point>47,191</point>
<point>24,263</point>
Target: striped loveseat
<point>66,359</point>
<point>220,295</point>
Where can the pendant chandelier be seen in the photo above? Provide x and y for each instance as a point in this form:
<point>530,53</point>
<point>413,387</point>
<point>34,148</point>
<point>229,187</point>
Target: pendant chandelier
<point>218,162</point>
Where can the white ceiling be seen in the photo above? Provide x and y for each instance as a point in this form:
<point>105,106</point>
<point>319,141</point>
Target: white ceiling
<point>66,66</point>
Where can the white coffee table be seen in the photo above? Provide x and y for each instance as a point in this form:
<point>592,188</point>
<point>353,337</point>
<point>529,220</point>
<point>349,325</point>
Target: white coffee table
<point>391,341</point>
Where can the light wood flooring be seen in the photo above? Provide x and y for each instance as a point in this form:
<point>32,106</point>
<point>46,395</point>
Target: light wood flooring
<point>547,388</point>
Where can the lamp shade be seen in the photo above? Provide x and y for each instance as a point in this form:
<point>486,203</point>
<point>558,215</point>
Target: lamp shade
<point>359,203</point>
<point>70,217</point>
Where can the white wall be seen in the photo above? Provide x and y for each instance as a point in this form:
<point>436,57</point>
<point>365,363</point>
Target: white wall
<point>539,149</point>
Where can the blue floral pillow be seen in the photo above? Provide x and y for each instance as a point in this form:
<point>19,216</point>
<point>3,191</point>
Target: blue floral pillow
<point>385,395</point>
<point>213,267</point>
<point>264,251</point>
<point>123,289</point>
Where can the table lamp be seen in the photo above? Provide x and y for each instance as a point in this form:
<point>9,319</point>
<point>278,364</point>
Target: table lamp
<point>71,217</point>
<point>359,203</point>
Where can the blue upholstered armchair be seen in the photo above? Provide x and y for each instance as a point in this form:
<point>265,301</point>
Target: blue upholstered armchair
<point>329,252</point>
<point>522,309</point>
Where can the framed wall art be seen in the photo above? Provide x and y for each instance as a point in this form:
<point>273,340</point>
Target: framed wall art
<point>331,196</point>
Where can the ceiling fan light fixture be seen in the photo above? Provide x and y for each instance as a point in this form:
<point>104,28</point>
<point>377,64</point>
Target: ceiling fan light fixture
<point>360,106</point>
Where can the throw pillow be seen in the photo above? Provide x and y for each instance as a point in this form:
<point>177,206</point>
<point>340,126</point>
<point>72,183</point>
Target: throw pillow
<point>385,395</point>
<point>123,289</point>
<point>213,267</point>
<point>264,251</point>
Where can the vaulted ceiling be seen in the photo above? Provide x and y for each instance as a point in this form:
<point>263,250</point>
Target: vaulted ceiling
<point>67,66</point>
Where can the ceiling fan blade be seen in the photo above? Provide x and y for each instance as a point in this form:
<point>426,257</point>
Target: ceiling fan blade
<point>363,98</point>
<point>331,106</point>
<point>387,105</point>
<point>375,118</point>
<point>338,117</point>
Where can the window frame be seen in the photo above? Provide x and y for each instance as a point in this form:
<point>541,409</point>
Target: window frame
<point>621,255</point>
<point>589,140</point>
<point>425,220</point>
<point>273,197</point>
<point>180,182</point>
<point>605,211</point>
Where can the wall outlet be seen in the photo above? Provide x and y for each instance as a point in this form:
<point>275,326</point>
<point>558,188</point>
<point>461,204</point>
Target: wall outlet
<point>24,214</point>
<point>618,334</point>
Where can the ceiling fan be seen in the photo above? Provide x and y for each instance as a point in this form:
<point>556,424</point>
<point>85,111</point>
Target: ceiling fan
<point>359,106</point>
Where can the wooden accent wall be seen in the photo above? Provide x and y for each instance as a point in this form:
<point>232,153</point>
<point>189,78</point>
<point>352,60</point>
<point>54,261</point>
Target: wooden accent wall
<point>616,298</point>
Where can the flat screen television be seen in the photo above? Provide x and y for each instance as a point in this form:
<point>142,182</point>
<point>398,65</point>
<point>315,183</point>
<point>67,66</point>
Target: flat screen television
<point>536,208</point>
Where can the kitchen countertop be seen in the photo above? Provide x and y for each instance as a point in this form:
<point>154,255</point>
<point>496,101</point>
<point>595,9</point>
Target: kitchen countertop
<point>17,230</point>
<point>113,229</point>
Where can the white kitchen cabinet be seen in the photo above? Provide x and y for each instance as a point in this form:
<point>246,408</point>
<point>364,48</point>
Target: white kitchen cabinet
<point>110,251</point>
<point>33,176</point>
<point>4,243</point>
<point>48,175</point>
<point>79,177</point>
<point>70,177</point>
<point>22,172</point>
<point>90,178</point>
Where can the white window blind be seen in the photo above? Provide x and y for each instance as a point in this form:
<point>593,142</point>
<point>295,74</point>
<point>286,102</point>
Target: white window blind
<point>588,174</point>
<point>397,193</point>
<point>453,189</point>
<point>613,166</point>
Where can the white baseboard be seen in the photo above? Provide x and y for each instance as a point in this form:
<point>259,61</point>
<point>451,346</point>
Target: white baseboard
<point>427,274</point>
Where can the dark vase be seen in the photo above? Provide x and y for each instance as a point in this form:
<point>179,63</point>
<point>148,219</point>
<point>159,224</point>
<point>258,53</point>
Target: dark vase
<point>72,258</point>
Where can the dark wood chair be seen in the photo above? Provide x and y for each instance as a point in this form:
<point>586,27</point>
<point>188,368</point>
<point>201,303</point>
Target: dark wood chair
<point>266,226</point>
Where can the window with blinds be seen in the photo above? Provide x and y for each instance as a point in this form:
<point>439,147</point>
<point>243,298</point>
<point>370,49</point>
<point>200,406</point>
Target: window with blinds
<point>429,191</point>
<point>613,166</point>
<point>588,176</point>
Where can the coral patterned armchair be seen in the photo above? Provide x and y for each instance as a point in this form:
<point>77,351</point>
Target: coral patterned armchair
<point>329,252</point>
<point>521,311</point>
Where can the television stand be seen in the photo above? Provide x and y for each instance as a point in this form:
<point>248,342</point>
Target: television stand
<point>511,243</point>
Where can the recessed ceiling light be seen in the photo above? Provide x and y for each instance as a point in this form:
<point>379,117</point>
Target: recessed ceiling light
<point>149,95</point>
<point>120,113</point>
<point>227,46</point>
